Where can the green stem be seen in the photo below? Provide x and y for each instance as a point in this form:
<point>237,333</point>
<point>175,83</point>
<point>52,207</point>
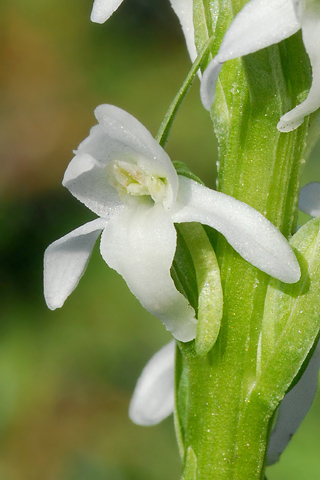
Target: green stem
<point>165,127</point>
<point>226,422</point>
<point>227,432</point>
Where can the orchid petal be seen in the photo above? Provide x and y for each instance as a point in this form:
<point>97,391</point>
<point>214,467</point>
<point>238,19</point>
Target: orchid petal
<point>122,127</point>
<point>153,397</point>
<point>140,245</point>
<point>294,408</point>
<point>65,261</point>
<point>120,136</point>
<point>88,182</point>
<point>310,34</point>
<point>255,238</point>
<point>184,11</point>
<point>103,9</point>
<point>259,24</point>
<point>209,83</point>
<point>309,200</point>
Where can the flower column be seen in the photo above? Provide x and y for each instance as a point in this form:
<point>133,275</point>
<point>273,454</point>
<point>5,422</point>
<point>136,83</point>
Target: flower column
<point>223,421</point>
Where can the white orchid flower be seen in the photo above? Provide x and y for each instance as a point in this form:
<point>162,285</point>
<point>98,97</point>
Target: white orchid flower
<point>122,174</point>
<point>262,23</point>
<point>153,398</point>
<point>309,199</point>
<point>103,9</point>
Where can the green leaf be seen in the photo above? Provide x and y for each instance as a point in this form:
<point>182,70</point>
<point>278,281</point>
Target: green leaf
<point>190,466</point>
<point>291,319</point>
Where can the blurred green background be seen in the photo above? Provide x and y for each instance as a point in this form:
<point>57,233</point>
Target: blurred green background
<point>66,376</point>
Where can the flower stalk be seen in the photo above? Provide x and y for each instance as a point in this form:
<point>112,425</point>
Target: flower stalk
<point>227,421</point>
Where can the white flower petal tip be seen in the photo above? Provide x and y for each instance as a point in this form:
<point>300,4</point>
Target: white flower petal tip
<point>310,23</point>
<point>65,261</point>
<point>208,83</point>
<point>103,9</point>
<point>153,397</point>
<point>255,238</point>
<point>309,200</point>
<point>294,408</point>
<point>288,124</point>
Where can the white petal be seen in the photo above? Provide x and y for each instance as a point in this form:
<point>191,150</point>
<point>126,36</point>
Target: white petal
<point>119,136</point>
<point>255,238</point>
<point>310,35</point>
<point>153,397</point>
<point>309,200</point>
<point>103,9</point>
<point>100,146</point>
<point>259,24</point>
<point>209,82</point>
<point>133,137</point>
<point>184,11</point>
<point>294,408</point>
<point>65,261</point>
<point>88,182</point>
<point>140,245</point>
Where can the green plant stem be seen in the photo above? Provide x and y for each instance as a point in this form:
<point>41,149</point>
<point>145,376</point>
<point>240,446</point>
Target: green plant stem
<point>227,423</point>
<point>166,124</point>
<point>237,449</point>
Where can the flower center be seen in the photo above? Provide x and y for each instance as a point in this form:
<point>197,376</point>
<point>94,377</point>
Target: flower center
<point>130,179</point>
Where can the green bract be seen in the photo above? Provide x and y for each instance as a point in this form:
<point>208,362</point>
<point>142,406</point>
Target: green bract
<point>291,320</point>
